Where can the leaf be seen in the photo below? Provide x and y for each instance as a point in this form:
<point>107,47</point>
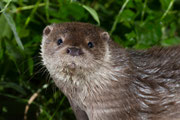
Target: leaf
<point>171,41</point>
<point>131,37</point>
<point>148,34</point>
<point>127,15</point>
<point>13,28</point>
<point>92,12</point>
<point>12,25</point>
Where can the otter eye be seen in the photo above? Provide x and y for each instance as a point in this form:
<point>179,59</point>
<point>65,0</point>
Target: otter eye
<point>90,45</point>
<point>60,41</point>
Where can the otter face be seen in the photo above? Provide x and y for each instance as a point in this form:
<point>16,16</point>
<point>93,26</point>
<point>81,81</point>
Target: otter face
<point>73,46</point>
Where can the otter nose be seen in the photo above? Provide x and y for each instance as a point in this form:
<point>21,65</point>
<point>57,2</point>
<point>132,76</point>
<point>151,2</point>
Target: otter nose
<point>74,51</point>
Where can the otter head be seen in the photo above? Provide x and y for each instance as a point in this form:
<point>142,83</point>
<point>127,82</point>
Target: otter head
<point>74,48</point>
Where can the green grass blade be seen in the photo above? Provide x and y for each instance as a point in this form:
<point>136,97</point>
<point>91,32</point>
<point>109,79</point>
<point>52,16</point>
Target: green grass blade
<point>32,13</point>
<point>47,9</point>
<point>168,9</point>
<point>117,17</point>
<point>2,10</point>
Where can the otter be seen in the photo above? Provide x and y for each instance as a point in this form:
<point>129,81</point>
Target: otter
<point>104,81</point>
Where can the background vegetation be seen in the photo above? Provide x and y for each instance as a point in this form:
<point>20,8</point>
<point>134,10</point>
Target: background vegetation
<point>26,91</point>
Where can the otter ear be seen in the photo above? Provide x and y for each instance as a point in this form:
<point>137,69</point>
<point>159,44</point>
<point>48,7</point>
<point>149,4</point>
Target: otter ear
<point>47,30</point>
<point>105,36</point>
